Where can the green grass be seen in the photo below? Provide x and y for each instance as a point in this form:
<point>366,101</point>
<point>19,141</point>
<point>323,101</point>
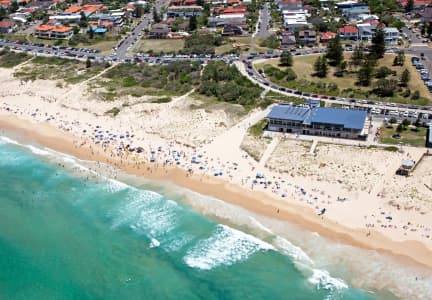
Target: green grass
<point>346,85</point>
<point>113,111</point>
<point>54,68</point>
<point>162,100</point>
<point>257,129</point>
<point>159,45</point>
<point>410,136</point>
<point>279,98</point>
<point>139,80</point>
<point>10,59</point>
<point>228,44</point>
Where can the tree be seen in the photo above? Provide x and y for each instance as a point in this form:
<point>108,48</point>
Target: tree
<point>429,29</point>
<point>286,59</point>
<point>2,13</point>
<point>14,6</point>
<point>406,123</point>
<point>399,128</point>
<point>320,67</point>
<point>334,52</point>
<point>156,17</point>
<point>385,87</point>
<point>83,22</point>
<point>399,60</point>
<point>138,11</point>
<point>357,56</point>
<point>393,120</point>
<point>290,74</point>
<point>193,23</point>
<point>364,75</point>
<point>378,44</point>
<point>417,122</point>
<point>383,72</point>
<point>341,68</point>
<point>88,63</point>
<point>416,95</point>
<point>405,77</point>
<point>90,33</point>
<point>409,5</point>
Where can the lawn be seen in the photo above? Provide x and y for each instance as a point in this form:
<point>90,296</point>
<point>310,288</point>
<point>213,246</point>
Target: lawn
<point>411,136</point>
<point>159,45</point>
<point>228,45</point>
<point>303,67</point>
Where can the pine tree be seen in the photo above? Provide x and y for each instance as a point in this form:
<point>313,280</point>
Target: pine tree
<point>286,59</point>
<point>320,67</point>
<point>409,5</point>
<point>193,23</point>
<point>378,44</point>
<point>365,73</point>
<point>334,52</point>
<point>357,56</point>
<point>405,77</point>
<point>156,17</point>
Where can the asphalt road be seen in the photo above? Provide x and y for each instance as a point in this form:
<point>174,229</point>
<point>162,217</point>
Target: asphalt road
<point>245,67</point>
<point>127,43</point>
<point>264,22</point>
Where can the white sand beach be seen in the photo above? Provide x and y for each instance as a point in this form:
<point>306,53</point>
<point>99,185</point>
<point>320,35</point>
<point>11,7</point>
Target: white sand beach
<point>364,202</point>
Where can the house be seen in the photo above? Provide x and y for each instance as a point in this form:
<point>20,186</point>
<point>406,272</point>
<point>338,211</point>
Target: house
<point>7,26</point>
<point>287,39</point>
<point>294,20</point>
<point>391,35</point>
<point>231,30</point>
<point>351,9</point>
<point>184,11</point>
<point>320,121</point>
<point>426,15</point>
<point>366,31</point>
<point>327,36</point>
<point>417,3</point>
<point>57,32</point>
<point>159,31</point>
<point>307,37</point>
<point>290,4</point>
<point>348,32</point>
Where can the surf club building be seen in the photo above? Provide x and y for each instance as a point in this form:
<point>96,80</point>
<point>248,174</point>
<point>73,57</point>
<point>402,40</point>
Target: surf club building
<point>319,121</point>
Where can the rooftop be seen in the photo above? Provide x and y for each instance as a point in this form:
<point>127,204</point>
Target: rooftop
<point>348,118</point>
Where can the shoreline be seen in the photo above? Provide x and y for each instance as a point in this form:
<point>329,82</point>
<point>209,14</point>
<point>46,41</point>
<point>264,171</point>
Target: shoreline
<point>408,252</point>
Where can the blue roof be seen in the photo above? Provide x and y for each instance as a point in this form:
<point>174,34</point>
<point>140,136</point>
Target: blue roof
<point>100,30</point>
<point>348,118</point>
<point>288,112</point>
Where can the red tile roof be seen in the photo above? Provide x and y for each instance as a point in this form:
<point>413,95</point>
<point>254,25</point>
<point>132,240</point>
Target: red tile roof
<point>7,24</point>
<point>328,35</point>
<point>235,10</point>
<point>417,3</point>
<point>348,29</point>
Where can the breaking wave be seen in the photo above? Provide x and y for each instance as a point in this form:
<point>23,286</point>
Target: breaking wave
<point>226,246</point>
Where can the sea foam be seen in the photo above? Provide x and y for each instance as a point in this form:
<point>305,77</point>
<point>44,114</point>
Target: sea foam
<point>225,247</point>
<point>322,280</point>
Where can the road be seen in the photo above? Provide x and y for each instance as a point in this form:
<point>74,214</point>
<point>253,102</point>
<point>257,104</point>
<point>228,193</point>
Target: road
<point>386,108</point>
<point>263,25</point>
<point>244,65</point>
<point>128,42</point>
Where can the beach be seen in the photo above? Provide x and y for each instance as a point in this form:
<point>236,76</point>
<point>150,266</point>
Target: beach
<point>345,193</point>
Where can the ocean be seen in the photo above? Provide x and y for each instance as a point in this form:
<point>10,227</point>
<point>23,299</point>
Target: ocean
<point>68,232</point>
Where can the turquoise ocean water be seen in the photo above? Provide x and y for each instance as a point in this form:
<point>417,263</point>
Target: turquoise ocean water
<point>66,235</point>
